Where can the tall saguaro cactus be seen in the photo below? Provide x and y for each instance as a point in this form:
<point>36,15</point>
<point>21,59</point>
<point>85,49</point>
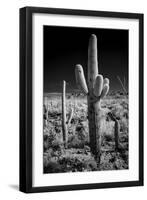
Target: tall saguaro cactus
<point>64,127</point>
<point>97,88</point>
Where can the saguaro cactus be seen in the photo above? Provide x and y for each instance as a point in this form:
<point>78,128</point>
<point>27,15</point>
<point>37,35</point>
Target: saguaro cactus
<point>116,134</point>
<point>65,122</point>
<point>64,127</point>
<point>96,90</point>
<point>116,130</point>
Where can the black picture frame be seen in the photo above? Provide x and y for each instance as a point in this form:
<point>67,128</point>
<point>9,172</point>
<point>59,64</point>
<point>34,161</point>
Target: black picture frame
<point>26,91</point>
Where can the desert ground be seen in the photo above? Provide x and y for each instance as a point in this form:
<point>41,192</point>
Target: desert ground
<point>77,157</point>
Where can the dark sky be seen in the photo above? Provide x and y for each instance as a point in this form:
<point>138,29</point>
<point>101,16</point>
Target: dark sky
<point>64,47</point>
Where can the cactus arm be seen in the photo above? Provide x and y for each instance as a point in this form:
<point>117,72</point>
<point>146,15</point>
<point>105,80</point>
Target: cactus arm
<point>92,61</point>
<point>104,91</point>
<point>106,81</point>
<point>80,79</point>
<point>98,86</point>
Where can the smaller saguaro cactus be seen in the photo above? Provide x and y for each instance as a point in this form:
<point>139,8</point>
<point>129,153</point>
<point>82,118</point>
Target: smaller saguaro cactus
<point>116,134</point>
<point>116,130</point>
<point>64,127</point>
<point>96,90</point>
<point>65,122</point>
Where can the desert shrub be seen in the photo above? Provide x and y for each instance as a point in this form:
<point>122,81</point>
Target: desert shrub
<point>120,164</point>
<point>105,163</point>
<point>108,138</point>
<point>75,142</point>
<point>57,145</point>
<point>53,167</point>
<point>107,127</point>
<point>69,162</point>
<point>79,137</point>
<point>113,161</point>
<point>117,111</point>
<point>78,162</point>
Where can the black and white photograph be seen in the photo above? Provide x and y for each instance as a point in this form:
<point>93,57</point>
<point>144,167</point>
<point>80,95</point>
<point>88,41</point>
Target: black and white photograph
<point>85,99</point>
<point>81,111</point>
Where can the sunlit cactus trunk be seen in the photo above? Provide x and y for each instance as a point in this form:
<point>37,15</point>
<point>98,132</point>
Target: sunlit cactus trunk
<point>94,107</point>
<point>96,90</point>
<point>64,127</point>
